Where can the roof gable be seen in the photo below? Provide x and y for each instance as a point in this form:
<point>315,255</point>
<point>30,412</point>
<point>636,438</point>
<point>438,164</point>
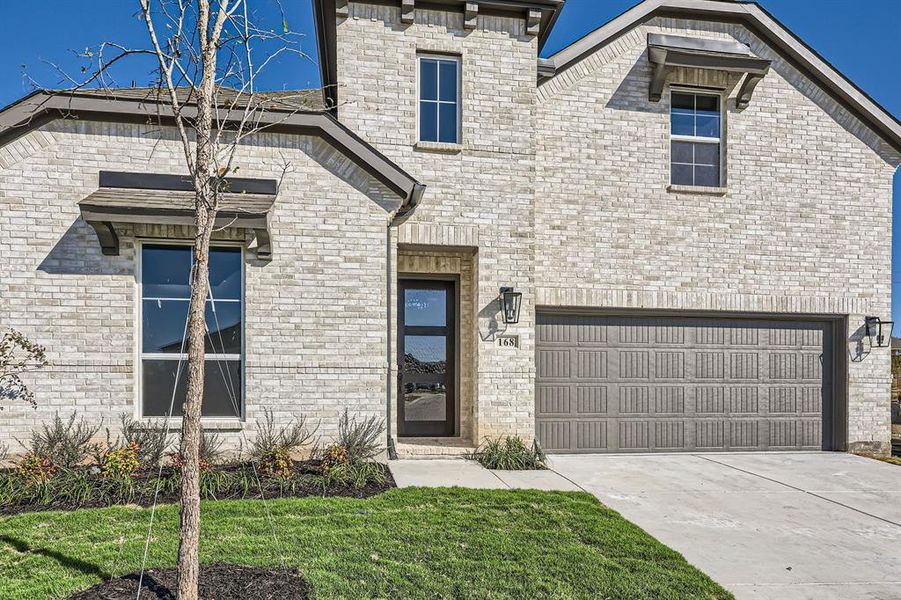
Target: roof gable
<point>126,106</point>
<point>758,21</point>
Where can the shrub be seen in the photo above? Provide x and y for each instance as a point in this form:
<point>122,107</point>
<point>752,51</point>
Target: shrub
<point>334,456</point>
<point>277,463</point>
<point>210,449</point>
<point>122,462</point>
<point>356,475</point>
<point>34,469</point>
<point>510,453</point>
<point>152,443</point>
<point>273,446</point>
<point>361,439</point>
<point>64,443</point>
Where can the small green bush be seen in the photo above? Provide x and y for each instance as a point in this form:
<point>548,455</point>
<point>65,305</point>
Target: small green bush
<point>122,462</point>
<point>362,439</point>
<point>66,444</point>
<point>510,454</point>
<point>152,442</point>
<point>334,456</point>
<point>35,470</point>
<point>273,446</point>
<point>356,475</point>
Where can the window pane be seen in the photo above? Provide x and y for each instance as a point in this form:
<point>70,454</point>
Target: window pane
<point>222,383</point>
<point>425,307</point>
<point>425,354</point>
<point>225,273</point>
<point>428,79</point>
<point>222,388</point>
<point>682,152</point>
<point>223,327</point>
<point>682,175</point>
<point>708,125</point>
<point>707,154</point>
<point>708,104</point>
<point>158,381</point>
<point>448,86</point>
<point>447,123</point>
<point>428,121</point>
<point>166,271</point>
<point>425,402</point>
<point>163,325</point>
<point>682,123</point>
<point>681,100</point>
<point>707,176</point>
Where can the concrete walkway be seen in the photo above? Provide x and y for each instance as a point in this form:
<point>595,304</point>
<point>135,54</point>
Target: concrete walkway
<point>780,526</point>
<point>470,474</point>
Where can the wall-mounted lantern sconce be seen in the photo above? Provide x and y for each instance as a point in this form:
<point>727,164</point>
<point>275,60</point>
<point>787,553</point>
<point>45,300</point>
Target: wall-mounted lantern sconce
<point>878,328</point>
<point>511,303</point>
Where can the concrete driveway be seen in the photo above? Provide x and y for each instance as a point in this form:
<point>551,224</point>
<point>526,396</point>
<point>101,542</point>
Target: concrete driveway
<point>780,526</point>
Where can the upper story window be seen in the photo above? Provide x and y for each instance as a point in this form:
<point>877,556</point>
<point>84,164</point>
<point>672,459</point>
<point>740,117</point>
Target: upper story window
<point>439,99</point>
<point>165,273</point>
<point>696,139</point>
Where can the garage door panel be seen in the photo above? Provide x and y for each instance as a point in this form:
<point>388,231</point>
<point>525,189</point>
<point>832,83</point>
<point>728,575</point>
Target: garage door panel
<point>638,384</point>
<point>592,399</point>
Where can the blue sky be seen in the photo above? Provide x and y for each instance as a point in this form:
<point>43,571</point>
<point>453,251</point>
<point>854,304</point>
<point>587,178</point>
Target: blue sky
<point>859,38</point>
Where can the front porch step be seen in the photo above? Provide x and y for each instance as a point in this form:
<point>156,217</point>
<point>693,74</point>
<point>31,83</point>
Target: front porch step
<point>425,448</point>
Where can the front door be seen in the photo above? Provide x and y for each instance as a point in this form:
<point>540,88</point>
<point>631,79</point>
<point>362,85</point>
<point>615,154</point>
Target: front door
<point>426,355</point>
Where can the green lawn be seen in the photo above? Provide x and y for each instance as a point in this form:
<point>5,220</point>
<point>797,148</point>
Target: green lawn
<point>406,543</point>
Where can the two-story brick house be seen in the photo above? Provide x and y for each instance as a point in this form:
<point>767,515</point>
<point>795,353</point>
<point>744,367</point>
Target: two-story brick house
<point>667,236</point>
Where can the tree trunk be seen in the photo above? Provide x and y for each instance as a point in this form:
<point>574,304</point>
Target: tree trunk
<point>206,205</point>
<point>189,544</point>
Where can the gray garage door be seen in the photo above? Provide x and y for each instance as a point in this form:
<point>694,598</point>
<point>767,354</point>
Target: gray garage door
<point>668,384</point>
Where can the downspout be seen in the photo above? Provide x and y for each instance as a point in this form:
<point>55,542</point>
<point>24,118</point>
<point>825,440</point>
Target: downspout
<point>395,219</point>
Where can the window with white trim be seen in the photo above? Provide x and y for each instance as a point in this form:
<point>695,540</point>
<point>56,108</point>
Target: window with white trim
<point>439,99</point>
<point>165,295</point>
<point>695,139</point>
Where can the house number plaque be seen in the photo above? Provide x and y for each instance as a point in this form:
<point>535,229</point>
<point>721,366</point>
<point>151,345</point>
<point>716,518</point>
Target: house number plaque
<point>508,341</point>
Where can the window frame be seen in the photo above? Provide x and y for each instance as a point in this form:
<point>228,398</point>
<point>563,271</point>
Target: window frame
<point>458,61</point>
<point>719,141</point>
<point>140,355</point>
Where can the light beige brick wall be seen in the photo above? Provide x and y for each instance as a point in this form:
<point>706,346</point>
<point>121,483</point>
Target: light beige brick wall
<point>481,190</point>
<point>316,339</point>
<point>804,226</point>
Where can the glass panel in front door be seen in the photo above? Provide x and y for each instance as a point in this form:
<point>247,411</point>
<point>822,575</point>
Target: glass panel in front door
<point>425,377</point>
<point>425,308</point>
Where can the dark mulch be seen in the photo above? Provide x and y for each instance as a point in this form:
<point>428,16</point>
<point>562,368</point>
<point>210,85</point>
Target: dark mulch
<point>218,581</point>
<point>241,484</point>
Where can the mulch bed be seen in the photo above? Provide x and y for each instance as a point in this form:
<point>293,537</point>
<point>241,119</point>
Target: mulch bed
<point>302,486</point>
<point>218,581</point>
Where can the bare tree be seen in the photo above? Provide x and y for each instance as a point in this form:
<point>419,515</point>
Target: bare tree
<point>206,53</point>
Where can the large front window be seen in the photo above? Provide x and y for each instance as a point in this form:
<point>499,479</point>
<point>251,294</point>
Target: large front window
<point>696,139</point>
<point>439,99</point>
<point>165,296</point>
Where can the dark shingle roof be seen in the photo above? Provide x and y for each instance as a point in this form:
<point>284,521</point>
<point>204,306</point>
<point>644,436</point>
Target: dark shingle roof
<point>287,100</point>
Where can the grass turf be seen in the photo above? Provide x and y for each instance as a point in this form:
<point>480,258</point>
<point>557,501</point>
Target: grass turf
<point>406,543</point>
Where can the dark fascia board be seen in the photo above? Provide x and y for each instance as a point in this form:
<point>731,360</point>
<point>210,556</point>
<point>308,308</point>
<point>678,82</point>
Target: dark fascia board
<point>761,23</point>
<point>41,107</point>
<point>182,183</point>
<point>326,29</point>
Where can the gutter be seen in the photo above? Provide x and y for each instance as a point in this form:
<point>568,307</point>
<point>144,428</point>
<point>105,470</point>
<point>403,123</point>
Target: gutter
<point>395,219</point>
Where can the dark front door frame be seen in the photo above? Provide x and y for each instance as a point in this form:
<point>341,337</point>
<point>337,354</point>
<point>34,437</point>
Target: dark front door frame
<point>448,427</point>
